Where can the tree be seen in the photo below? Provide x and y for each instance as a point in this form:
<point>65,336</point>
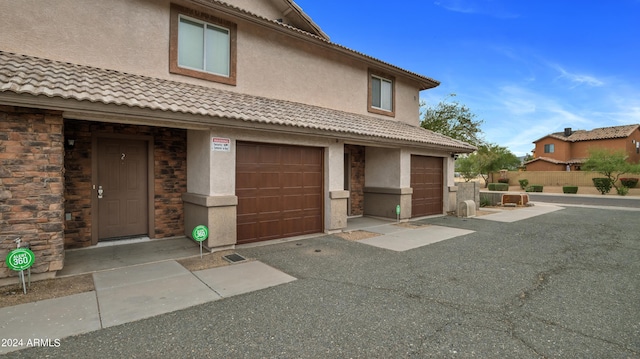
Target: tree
<point>452,119</point>
<point>612,165</point>
<point>467,167</point>
<point>489,158</point>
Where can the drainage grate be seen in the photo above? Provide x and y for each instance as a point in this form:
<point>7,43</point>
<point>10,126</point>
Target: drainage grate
<point>234,257</point>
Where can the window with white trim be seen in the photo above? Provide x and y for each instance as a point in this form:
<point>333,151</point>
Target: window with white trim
<point>202,46</point>
<point>381,93</point>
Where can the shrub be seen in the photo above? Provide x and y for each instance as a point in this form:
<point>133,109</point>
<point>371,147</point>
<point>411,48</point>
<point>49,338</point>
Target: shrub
<point>622,191</point>
<point>603,184</point>
<point>570,189</point>
<point>503,180</point>
<point>534,188</point>
<point>498,187</point>
<point>629,182</point>
<point>484,202</point>
<point>523,183</point>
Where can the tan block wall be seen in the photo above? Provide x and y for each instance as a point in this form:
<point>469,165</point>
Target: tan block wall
<point>31,186</point>
<point>170,176</point>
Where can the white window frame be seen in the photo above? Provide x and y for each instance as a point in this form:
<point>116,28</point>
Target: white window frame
<point>390,81</point>
<point>382,99</point>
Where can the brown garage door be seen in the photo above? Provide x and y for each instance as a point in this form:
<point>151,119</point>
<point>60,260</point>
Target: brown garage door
<point>279,191</point>
<point>426,181</point>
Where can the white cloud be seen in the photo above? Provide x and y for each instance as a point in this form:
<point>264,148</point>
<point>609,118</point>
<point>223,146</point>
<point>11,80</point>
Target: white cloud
<point>486,7</point>
<point>578,79</point>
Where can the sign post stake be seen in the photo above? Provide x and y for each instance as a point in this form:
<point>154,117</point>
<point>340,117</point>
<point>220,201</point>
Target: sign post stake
<point>199,234</point>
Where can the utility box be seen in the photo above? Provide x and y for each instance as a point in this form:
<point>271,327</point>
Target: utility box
<point>467,209</point>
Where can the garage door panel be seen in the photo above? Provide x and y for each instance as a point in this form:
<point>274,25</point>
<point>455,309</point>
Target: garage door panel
<point>269,204</point>
<point>312,179</point>
<point>268,155</point>
<point>311,159</point>
<point>313,202</point>
<point>292,203</point>
<point>292,180</point>
<point>270,229</point>
<point>247,230</point>
<point>292,156</point>
<point>287,187</point>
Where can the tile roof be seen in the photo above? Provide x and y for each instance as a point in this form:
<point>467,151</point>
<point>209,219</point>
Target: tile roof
<point>27,75</point>
<point>602,133</point>
<point>557,162</point>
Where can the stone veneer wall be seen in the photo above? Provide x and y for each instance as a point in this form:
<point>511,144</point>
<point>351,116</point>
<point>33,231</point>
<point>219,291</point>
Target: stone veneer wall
<point>357,179</point>
<point>31,186</point>
<point>170,178</point>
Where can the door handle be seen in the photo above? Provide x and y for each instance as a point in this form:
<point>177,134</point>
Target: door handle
<point>100,191</point>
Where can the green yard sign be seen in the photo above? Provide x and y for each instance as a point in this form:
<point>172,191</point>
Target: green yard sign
<point>200,233</point>
<point>20,259</point>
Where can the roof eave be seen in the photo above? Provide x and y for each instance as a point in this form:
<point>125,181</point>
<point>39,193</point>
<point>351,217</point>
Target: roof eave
<point>97,111</point>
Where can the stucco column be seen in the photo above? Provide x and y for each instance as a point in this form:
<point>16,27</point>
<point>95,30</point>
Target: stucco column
<point>388,182</point>
<point>336,196</point>
<point>210,199</point>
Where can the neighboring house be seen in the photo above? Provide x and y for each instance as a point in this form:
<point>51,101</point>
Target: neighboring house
<point>562,151</point>
<point>133,118</point>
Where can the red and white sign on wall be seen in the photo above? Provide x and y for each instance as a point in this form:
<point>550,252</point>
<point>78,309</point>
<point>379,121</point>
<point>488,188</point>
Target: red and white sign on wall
<point>220,144</point>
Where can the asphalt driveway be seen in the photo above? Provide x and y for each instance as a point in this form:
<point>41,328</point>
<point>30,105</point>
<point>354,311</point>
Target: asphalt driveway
<point>560,285</point>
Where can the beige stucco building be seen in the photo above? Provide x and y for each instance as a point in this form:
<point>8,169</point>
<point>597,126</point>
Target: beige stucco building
<point>148,117</point>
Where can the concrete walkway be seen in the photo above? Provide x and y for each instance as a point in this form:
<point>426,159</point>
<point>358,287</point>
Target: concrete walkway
<point>128,294</point>
<point>519,214</point>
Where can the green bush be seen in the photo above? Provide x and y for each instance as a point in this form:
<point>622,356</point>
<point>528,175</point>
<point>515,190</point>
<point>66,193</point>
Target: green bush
<point>629,182</point>
<point>570,189</point>
<point>523,183</point>
<point>498,187</point>
<point>534,188</point>
<point>622,191</point>
<point>603,184</point>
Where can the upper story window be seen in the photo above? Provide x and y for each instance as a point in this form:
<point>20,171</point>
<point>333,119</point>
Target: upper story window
<point>550,148</point>
<point>381,93</point>
<point>202,46</point>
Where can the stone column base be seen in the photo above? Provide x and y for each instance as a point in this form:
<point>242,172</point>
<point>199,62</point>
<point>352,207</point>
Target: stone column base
<point>382,202</point>
<point>217,213</point>
<point>337,211</point>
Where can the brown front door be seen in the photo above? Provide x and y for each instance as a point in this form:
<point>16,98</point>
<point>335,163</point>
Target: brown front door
<point>122,178</point>
<point>427,184</point>
<point>279,191</point>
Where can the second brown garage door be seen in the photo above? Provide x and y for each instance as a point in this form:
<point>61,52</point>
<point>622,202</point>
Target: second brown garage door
<point>279,191</point>
<point>426,181</point>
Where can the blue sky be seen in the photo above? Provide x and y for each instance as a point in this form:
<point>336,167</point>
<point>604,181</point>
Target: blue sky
<point>527,68</point>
